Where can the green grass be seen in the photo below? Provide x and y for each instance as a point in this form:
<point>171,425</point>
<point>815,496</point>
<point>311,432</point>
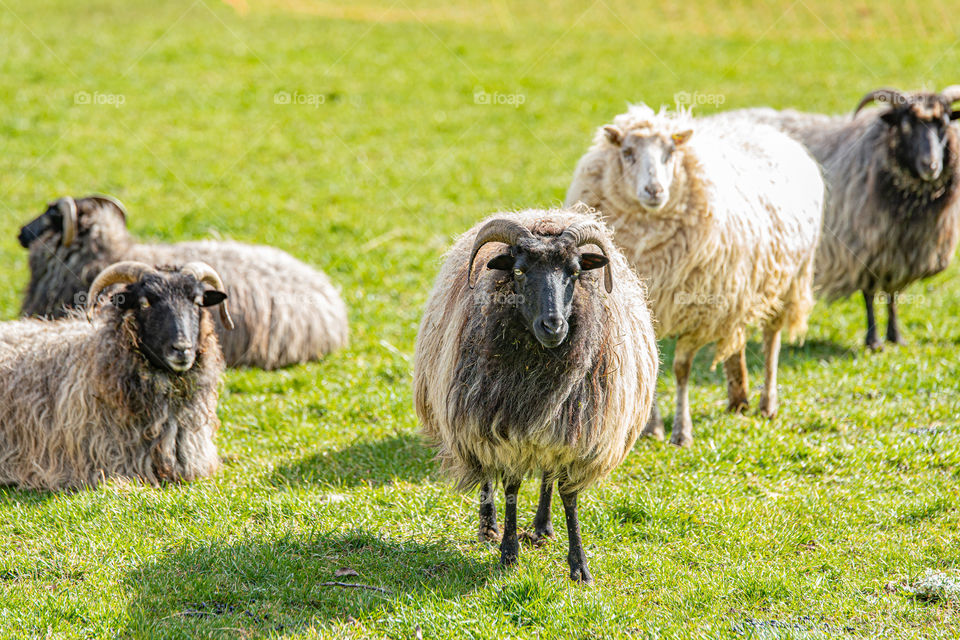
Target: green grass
<point>798,528</point>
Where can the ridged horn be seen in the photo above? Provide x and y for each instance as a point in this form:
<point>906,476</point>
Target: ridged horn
<point>582,233</point>
<point>111,200</point>
<point>67,207</point>
<point>499,230</point>
<point>204,273</point>
<point>951,93</point>
<point>890,96</point>
<point>119,273</point>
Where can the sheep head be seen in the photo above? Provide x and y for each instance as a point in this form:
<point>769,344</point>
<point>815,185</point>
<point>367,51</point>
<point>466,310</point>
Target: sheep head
<point>165,305</point>
<point>64,219</point>
<point>544,271</point>
<point>648,162</point>
<point>919,125</point>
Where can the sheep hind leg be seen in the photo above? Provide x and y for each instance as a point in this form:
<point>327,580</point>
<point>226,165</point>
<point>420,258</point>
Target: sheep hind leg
<point>576,557</point>
<point>873,343</point>
<point>488,514</point>
<point>510,543</point>
<point>682,422</point>
<point>654,426</point>
<point>769,399</point>
<point>542,524</point>
<point>735,369</point>
<point>893,326</point>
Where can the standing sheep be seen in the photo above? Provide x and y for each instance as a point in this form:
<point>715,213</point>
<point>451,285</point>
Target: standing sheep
<point>721,221</point>
<point>286,312</point>
<point>534,366</point>
<point>132,394</point>
<point>892,213</point>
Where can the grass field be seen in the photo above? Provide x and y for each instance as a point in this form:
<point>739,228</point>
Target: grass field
<point>361,137</point>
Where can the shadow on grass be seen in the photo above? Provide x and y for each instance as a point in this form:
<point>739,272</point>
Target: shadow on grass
<point>401,456</point>
<point>28,497</point>
<point>260,587</point>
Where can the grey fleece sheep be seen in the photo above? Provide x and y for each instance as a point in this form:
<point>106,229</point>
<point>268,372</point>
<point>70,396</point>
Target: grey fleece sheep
<point>892,213</point>
<point>132,394</point>
<point>286,311</point>
<point>543,365</point>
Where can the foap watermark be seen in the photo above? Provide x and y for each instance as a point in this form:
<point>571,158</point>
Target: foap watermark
<point>115,100</point>
<point>685,298</point>
<point>481,96</point>
<point>81,299</point>
<point>500,298</point>
<point>687,99</point>
<point>314,100</point>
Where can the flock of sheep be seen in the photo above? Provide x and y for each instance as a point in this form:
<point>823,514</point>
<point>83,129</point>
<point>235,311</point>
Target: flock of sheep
<point>537,351</point>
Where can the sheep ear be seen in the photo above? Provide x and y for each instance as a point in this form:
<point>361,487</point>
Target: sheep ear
<point>593,261</point>
<point>954,115</point>
<point>503,262</point>
<point>681,137</point>
<point>613,134</point>
<point>212,297</point>
<point>125,299</point>
<point>891,117</point>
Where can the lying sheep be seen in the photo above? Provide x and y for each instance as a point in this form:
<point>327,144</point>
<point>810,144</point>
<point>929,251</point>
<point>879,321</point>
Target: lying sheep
<point>721,220</point>
<point>535,365</point>
<point>132,394</point>
<point>892,213</point>
<point>286,312</point>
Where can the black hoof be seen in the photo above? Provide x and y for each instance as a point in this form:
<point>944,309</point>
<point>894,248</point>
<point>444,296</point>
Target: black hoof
<point>540,536</point>
<point>579,573</point>
<point>509,551</point>
<point>488,533</point>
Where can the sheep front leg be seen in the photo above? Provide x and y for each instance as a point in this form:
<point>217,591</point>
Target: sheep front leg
<point>576,557</point>
<point>542,525</point>
<point>654,426</point>
<point>488,514</point>
<point>510,543</point>
<point>769,399</point>
<point>735,369</point>
<point>682,423</point>
<point>872,342</point>
<point>893,327</point>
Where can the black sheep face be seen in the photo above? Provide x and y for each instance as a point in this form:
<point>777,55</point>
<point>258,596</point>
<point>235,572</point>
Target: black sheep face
<point>920,131</point>
<point>544,275</point>
<point>166,309</point>
<point>51,221</point>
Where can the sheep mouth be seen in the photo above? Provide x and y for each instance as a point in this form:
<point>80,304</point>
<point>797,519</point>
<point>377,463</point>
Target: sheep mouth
<point>652,203</point>
<point>179,364</point>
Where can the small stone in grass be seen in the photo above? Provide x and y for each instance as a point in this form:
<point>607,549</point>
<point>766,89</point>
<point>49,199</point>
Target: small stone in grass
<point>345,571</point>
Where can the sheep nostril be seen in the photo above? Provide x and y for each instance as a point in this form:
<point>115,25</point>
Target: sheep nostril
<point>551,324</point>
<point>653,190</point>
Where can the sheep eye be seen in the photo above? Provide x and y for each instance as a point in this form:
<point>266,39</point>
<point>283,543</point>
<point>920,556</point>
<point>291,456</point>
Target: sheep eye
<point>576,274</point>
<point>518,272</point>
<point>628,155</point>
<point>144,303</point>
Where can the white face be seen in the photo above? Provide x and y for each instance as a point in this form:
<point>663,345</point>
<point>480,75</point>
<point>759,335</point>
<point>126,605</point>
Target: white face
<point>649,163</point>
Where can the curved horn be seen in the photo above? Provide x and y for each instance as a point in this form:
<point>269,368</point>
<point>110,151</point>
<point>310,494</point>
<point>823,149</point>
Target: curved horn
<point>890,96</point>
<point>582,233</point>
<point>113,201</point>
<point>68,213</point>
<point>204,273</point>
<point>121,272</point>
<point>951,93</point>
<point>498,230</point>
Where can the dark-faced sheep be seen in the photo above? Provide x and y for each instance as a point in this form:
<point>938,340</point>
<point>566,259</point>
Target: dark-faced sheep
<point>892,214</point>
<point>542,364</point>
<point>286,312</point>
<point>131,394</point>
<point>721,221</point>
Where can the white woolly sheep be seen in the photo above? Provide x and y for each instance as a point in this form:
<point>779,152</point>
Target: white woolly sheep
<point>534,367</point>
<point>286,311</point>
<point>721,221</point>
<point>132,394</point>
<point>892,214</point>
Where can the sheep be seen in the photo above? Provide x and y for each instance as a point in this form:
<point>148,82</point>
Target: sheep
<point>533,366</point>
<point>286,312</point>
<point>130,394</point>
<point>721,220</point>
<point>892,211</point>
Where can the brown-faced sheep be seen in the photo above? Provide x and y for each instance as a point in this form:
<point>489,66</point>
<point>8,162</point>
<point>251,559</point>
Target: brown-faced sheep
<point>721,221</point>
<point>131,394</point>
<point>542,364</point>
<point>286,312</point>
<point>892,214</point>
